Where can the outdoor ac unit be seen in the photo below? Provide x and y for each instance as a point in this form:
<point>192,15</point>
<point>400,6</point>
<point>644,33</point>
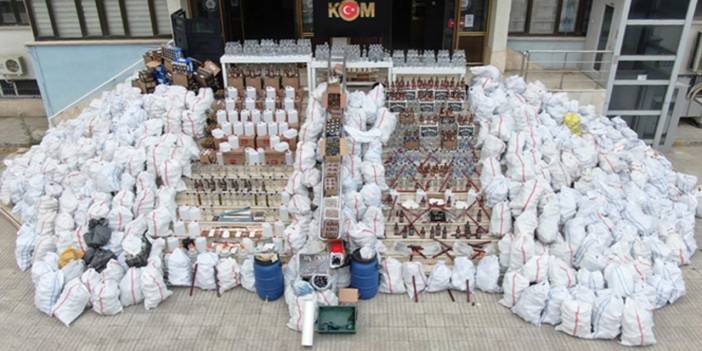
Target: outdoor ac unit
<point>11,66</point>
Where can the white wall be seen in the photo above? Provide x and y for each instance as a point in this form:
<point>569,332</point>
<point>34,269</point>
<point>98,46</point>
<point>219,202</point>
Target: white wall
<point>12,40</point>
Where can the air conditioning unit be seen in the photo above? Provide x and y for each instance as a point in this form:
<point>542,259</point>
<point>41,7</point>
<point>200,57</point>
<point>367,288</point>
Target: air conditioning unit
<point>11,66</point>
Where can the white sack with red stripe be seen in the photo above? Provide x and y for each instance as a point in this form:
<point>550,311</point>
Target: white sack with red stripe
<point>305,156</point>
<point>496,191</point>
<point>205,276</point>
<point>501,219</point>
<point>502,126</point>
<point>130,292</point>
<point>144,201</point>
<point>413,270</point>
<point>671,272</point>
<point>620,278</point>
<point>521,250</point>
<point>513,284</point>
<point>153,286</point>
<point>391,277</point>
<point>637,324</point>
<point>375,221</point>
<point>552,311</point>
<point>490,168</point>
<point>49,263</point>
<point>326,297</point>
<point>561,273</point>
<point>575,319</point>
<point>591,279</point>
<point>527,198</point>
<point>463,273</point>
<point>119,217</point>
<point>607,315</point>
<point>158,222</point>
<point>72,302</point>
<point>440,277</point>
<point>385,123</point>
<point>248,278</point>
<point>299,205</point>
<point>351,175</point>
<point>374,172</point>
<point>73,269</point>
<point>171,172</point>
<point>105,298</point>
<point>532,302</point>
<point>536,269</point>
<point>228,274</point>
<point>492,147</point>
<point>180,268</point>
<point>547,229</point>
<point>295,306</point>
<point>113,271</point>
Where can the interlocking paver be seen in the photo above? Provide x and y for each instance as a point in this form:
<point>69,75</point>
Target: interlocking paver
<point>240,321</point>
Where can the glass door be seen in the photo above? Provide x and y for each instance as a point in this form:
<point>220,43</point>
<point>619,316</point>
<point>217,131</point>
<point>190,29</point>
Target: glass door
<point>471,24</point>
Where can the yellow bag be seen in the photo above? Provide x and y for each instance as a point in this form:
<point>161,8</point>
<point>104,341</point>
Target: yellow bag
<point>68,255</point>
<point>572,121</point>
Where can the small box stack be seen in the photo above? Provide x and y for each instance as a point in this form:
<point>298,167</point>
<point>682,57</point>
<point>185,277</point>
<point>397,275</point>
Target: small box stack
<point>256,126</point>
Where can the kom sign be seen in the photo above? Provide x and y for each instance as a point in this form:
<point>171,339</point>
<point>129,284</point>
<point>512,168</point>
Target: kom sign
<point>362,18</point>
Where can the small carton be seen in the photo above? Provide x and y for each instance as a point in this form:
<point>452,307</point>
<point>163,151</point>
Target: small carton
<point>348,296</point>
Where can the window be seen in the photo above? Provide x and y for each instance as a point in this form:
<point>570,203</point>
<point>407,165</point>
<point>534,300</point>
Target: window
<point>651,40</point>
<point>638,97</point>
<point>658,9</point>
<point>86,19</point>
<point>13,12</point>
<point>549,17</point>
<point>643,70</point>
<point>25,87</point>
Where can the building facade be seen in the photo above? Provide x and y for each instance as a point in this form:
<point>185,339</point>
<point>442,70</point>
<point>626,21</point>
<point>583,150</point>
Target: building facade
<point>629,58</point>
<point>19,92</point>
<point>77,45</point>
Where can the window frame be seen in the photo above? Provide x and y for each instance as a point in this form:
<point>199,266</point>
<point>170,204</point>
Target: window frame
<point>580,21</point>
<point>16,13</point>
<point>16,91</point>
<point>102,18</point>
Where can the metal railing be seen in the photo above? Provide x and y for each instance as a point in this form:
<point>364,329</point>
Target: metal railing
<point>568,70</point>
<point>74,108</point>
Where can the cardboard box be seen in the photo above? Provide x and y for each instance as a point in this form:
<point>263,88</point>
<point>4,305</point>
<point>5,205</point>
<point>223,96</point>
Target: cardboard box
<point>180,78</point>
<point>292,82</point>
<point>275,158</point>
<point>247,141</point>
<point>234,157</point>
<point>263,141</point>
<point>236,82</point>
<point>271,82</point>
<point>348,296</point>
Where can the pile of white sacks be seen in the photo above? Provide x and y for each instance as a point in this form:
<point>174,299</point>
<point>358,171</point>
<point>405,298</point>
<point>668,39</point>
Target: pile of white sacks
<point>106,163</point>
<point>593,227</point>
<point>368,125</point>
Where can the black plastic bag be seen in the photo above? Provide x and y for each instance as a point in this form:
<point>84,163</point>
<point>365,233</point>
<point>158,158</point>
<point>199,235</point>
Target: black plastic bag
<point>140,259</point>
<point>99,233</point>
<point>100,258</point>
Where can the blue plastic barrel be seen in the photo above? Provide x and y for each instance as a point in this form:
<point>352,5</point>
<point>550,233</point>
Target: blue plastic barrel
<point>365,275</point>
<point>269,279</point>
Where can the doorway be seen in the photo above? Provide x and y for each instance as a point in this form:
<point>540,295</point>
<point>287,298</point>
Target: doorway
<point>259,19</point>
<point>422,24</point>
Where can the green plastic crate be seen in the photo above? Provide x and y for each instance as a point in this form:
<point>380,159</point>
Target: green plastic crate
<point>336,320</point>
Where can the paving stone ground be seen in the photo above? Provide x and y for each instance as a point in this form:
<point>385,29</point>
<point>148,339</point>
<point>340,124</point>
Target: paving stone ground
<point>240,321</point>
